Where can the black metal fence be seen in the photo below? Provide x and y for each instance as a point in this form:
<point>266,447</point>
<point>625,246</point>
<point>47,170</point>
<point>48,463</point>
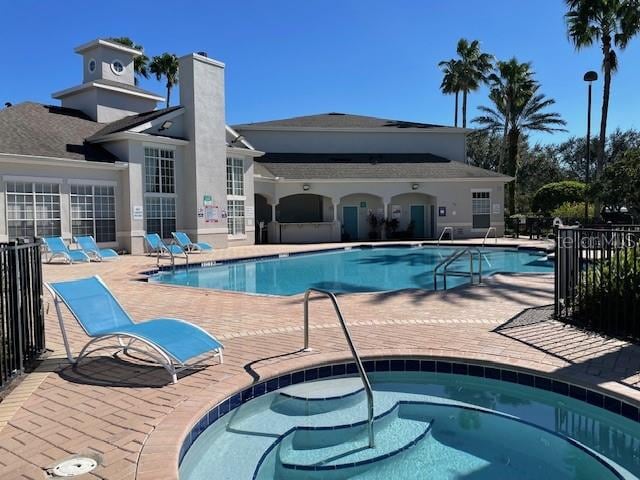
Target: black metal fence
<point>597,279</point>
<point>21,310</point>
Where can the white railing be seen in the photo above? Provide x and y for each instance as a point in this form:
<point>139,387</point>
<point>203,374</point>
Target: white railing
<point>486,235</point>
<point>444,230</point>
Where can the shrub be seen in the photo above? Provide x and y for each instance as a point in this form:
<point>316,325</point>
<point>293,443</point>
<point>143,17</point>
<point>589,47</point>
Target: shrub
<point>552,195</point>
<point>572,211</point>
<point>612,285</point>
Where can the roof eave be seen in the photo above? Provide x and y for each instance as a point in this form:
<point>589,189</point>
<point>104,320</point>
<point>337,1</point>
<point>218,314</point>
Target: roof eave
<point>69,91</point>
<point>353,129</point>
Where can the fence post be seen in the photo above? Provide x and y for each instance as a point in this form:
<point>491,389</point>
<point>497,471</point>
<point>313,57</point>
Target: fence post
<point>18,307</point>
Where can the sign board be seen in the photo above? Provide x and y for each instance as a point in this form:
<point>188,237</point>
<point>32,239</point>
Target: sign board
<point>211,214</point>
<point>138,212</point>
<point>207,200</point>
<point>363,204</point>
<point>496,209</point>
<point>442,211</point>
<point>249,211</point>
<point>396,211</point>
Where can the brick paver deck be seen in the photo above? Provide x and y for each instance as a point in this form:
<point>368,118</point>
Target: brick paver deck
<point>127,413</point>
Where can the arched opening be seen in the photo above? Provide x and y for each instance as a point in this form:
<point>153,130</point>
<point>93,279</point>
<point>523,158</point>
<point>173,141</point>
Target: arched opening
<point>360,216</point>
<point>415,214</point>
<point>304,208</point>
<point>305,218</point>
<point>263,212</point>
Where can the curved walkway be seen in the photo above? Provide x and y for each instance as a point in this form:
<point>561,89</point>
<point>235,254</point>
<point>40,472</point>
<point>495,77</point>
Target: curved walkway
<point>126,411</point>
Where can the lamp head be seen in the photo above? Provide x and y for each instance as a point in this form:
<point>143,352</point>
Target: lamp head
<point>590,76</point>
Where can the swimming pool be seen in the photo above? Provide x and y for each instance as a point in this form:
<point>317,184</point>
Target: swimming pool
<point>484,423</point>
<point>354,270</point>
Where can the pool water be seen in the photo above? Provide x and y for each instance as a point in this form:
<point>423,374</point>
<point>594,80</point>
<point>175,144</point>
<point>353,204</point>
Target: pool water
<point>427,425</point>
<point>355,270</point>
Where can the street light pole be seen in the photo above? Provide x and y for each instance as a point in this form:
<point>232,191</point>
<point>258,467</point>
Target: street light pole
<point>589,77</point>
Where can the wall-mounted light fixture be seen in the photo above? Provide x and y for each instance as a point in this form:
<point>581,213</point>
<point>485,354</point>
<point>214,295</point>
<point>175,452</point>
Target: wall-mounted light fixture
<point>166,125</point>
<point>306,187</point>
<point>415,186</point>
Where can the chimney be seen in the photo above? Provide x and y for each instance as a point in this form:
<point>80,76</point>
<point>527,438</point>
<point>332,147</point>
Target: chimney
<point>205,165</point>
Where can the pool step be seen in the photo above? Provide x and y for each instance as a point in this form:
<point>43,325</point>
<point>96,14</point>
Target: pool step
<point>342,451</point>
<point>313,398</point>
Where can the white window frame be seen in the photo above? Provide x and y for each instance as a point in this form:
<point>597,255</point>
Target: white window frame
<point>93,185</point>
<point>231,230</point>
<point>481,190</point>
<point>33,181</point>
<point>161,194</point>
<point>113,66</point>
<point>231,171</point>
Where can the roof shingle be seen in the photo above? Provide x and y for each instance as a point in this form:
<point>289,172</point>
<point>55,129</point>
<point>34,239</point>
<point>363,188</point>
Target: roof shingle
<point>50,131</point>
<point>339,120</point>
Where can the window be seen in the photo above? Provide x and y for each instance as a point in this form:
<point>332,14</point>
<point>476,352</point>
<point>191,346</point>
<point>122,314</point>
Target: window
<point>117,67</point>
<point>160,202</point>
<point>33,209</point>
<point>159,170</point>
<point>481,209</point>
<point>92,65</point>
<point>235,177</point>
<point>160,215</point>
<point>93,212</point>
<point>235,217</point>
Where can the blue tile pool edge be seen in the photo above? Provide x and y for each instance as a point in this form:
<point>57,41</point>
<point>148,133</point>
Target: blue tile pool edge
<point>421,364</point>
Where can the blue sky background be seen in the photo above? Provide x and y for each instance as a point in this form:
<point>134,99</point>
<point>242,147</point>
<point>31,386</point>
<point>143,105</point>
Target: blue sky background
<point>298,57</point>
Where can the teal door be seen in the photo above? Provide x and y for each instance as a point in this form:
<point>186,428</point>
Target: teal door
<point>350,223</point>
<point>417,217</point>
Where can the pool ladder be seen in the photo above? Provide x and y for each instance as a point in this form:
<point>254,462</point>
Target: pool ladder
<point>444,265</point>
<point>352,347</point>
<point>173,259</point>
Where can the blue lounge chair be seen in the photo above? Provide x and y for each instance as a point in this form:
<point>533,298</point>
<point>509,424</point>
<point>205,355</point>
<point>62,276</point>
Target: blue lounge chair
<point>170,342</point>
<point>58,249</point>
<point>185,242</point>
<point>89,246</point>
<point>157,246</point>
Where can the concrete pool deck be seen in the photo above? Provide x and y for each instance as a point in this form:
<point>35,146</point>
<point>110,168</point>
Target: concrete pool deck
<point>131,416</point>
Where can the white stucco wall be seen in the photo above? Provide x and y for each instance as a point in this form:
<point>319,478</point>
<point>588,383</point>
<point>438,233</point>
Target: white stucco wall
<point>448,145</point>
<point>455,196</point>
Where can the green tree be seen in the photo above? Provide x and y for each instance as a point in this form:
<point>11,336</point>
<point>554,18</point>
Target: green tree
<point>451,82</point>
<point>518,108</point>
<point>611,23</point>
<point>473,67</point>
<point>553,195</point>
<point>165,65</point>
<point>140,63</point>
<point>619,184</point>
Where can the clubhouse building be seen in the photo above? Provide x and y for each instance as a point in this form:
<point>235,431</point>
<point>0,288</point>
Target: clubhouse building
<point>107,162</point>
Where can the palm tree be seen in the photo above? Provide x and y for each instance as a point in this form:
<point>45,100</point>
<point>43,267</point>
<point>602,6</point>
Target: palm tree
<point>611,23</point>
<point>518,108</point>
<point>473,68</point>
<point>451,82</point>
<point>165,65</point>
<point>140,62</point>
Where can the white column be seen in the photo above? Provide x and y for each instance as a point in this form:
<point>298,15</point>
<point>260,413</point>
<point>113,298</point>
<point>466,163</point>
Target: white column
<point>273,211</point>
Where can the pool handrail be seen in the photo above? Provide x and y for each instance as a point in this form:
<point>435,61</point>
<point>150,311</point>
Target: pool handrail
<point>486,235</point>
<point>444,230</point>
<point>453,257</point>
<point>354,352</point>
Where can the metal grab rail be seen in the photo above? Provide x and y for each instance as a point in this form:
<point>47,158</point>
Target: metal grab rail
<point>354,352</point>
<point>452,258</point>
<point>444,230</point>
<point>486,235</point>
<point>173,258</point>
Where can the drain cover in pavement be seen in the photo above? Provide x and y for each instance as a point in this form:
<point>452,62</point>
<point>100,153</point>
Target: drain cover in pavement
<point>74,466</point>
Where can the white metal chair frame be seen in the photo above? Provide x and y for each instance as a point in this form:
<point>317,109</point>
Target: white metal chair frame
<point>157,353</point>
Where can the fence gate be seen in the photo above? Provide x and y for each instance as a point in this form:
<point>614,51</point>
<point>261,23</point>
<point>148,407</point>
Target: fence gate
<point>21,308</point>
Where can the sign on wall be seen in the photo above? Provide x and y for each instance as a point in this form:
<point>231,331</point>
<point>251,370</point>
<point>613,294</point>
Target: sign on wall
<point>363,204</point>
<point>211,214</point>
<point>207,200</point>
<point>442,211</point>
<point>249,211</point>
<point>496,209</point>
<point>138,212</point>
<point>396,211</point>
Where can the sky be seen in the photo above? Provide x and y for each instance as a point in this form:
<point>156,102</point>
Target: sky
<point>287,58</point>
